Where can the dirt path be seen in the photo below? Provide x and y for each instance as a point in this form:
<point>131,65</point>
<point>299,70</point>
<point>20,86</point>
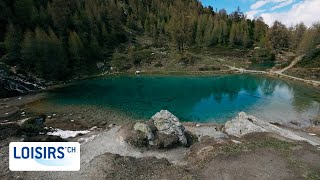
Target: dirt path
<point>278,73</point>
<point>293,63</point>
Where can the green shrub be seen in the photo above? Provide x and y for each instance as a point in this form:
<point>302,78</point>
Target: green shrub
<point>188,59</point>
<point>312,59</point>
<point>120,61</point>
<point>143,56</point>
<point>262,54</point>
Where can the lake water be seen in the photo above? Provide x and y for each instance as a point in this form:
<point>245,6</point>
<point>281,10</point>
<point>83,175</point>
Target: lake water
<point>195,98</point>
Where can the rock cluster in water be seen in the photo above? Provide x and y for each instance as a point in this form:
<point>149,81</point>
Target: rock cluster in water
<point>164,130</point>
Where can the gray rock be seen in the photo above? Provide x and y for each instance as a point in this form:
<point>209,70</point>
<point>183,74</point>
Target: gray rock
<point>192,138</point>
<point>99,65</point>
<point>145,129</point>
<point>167,123</point>
<point>131,136</point>
<point>167,140</point>
<point>245,124</point>
<point>207,130</point>
<point>241,126</point>
<point>12,84</point>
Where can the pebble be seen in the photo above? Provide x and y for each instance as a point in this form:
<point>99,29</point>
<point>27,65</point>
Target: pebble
<point>20,98</point>
<point>7,113</point>
<point>49,116</point>
<point>53,114</point>
<point>23,112</point>
<point>235,141</point>
<point>311,134</point>
<point>197,125</point>
<point>70,114</point>
<point>111,125</point>
<point>72,120</point>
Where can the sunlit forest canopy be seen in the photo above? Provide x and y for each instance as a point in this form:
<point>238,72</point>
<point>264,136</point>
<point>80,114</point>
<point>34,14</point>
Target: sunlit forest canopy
<point>58,39</point>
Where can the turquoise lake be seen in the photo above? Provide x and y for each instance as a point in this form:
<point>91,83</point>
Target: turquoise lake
<point>215,98</point>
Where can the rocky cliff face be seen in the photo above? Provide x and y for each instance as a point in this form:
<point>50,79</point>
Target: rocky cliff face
<point>12,84</point>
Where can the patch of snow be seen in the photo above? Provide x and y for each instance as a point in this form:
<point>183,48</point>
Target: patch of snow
<point>66,133</point>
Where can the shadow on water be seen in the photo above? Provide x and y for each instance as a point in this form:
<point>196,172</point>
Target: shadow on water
<point>192,98</point>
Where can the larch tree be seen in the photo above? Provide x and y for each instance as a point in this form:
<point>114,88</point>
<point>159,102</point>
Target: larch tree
<point>12,43</point>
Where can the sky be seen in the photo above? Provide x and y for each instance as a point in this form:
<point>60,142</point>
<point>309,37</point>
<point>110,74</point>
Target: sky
<point>289,12</point>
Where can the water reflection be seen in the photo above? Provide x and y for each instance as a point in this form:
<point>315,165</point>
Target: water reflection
<point>210,98</point>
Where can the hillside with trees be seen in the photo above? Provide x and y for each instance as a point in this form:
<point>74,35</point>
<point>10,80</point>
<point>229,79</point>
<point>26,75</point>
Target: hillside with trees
<point>62,39</point>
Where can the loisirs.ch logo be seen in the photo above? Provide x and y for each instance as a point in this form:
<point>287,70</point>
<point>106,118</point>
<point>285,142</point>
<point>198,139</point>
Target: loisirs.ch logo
<point>44,156</point>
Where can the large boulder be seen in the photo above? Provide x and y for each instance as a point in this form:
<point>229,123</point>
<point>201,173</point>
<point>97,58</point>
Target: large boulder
<point>136,138</point>
<point>167,123</point>
<point>145,129</point>
<point>245,124</point>
<point>166,140</point>
<point>241,126</point>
